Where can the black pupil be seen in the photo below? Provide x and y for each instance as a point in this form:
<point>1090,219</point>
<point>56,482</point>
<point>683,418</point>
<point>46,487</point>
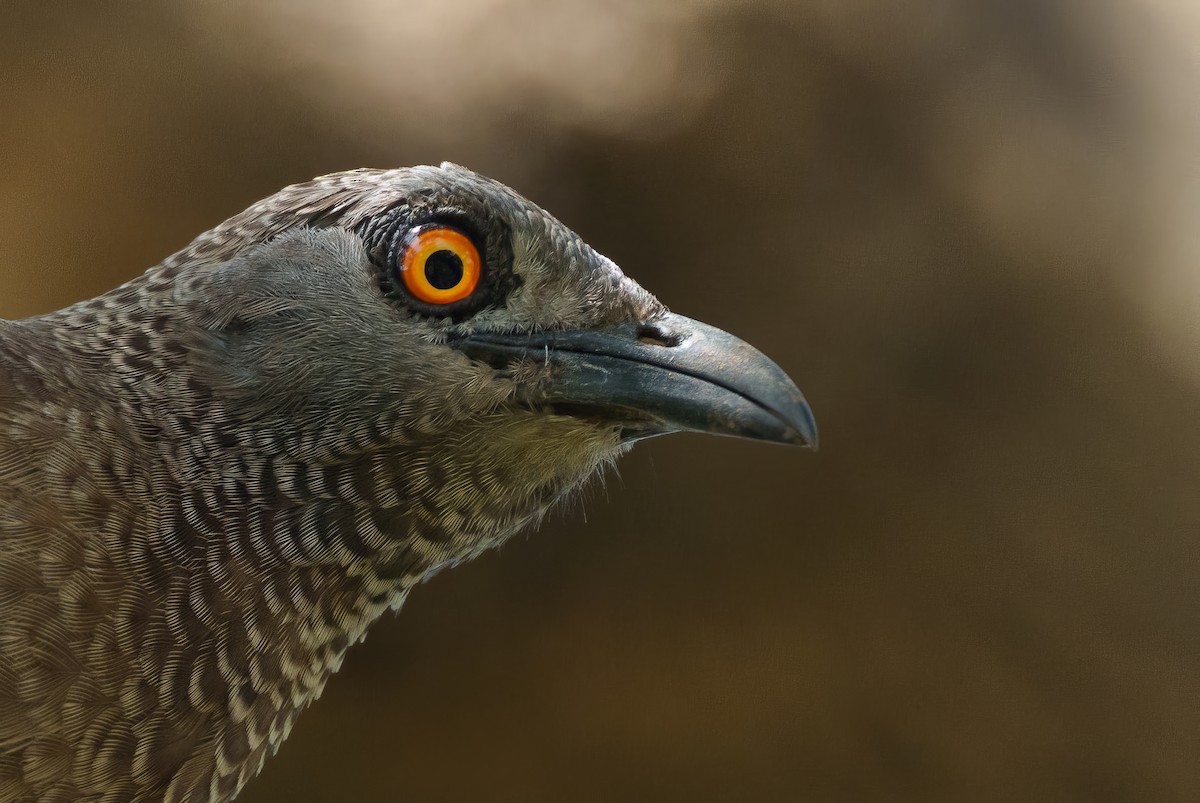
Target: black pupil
<point>444,269</point>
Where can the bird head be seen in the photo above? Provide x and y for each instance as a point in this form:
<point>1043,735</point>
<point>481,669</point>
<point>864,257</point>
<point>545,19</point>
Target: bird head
<point>215,477</point>
<point>466,352</point>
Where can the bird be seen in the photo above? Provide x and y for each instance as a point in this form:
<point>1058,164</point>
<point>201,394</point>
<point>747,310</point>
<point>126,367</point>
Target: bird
<point>215,477</point>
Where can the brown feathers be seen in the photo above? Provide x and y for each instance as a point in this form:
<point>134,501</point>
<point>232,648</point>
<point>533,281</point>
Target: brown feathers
<point>214,478</point>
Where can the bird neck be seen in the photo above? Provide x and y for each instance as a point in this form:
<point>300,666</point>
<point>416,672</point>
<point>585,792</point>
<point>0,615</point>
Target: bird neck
<point>221,563</point>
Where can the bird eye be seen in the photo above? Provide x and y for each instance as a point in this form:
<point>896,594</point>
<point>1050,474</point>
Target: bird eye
<point>440,264</point>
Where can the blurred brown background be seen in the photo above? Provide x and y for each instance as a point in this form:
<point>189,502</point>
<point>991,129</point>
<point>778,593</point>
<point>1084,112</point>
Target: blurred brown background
<point>967,228</point>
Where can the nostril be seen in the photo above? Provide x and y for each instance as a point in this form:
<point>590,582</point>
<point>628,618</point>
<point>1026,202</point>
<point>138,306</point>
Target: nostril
<point>656,334</point>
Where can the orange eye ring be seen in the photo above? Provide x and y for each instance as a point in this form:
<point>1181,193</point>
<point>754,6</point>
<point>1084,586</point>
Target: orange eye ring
<point>440,264</point>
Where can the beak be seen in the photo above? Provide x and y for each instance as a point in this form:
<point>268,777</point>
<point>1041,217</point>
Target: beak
<point>667,375</point>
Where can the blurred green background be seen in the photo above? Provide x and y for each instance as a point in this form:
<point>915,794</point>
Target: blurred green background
<point>967,228</point>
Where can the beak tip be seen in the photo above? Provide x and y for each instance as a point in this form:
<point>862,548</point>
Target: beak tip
<point>805,441</point>
<point>804,429</point>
